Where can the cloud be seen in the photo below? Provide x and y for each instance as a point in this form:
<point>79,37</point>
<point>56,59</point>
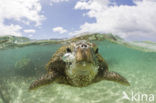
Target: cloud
<point>51,2</point>
<point>10,30</point>
<point>23,11</point>
<point>59,30</point>
<point>29,31</point>
<point>57,1</point>
<point>135,22</point>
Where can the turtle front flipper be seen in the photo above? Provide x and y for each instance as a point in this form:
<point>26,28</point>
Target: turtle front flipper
<point>113,76</point>
<point>45,79</point>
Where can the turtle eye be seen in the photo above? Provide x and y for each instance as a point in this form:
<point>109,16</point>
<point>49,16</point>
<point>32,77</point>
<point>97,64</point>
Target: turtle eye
<point>97,50</point>
<point>68,50</point>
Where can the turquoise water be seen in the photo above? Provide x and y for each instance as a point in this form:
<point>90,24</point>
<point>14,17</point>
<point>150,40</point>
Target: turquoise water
<point>20,66</point>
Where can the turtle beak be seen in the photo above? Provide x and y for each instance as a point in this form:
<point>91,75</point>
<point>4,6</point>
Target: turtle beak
<point>84,54</point>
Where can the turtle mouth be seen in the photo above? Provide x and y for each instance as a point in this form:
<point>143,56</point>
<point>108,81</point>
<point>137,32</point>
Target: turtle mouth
<point>80,63</point>
<point>83,62</point>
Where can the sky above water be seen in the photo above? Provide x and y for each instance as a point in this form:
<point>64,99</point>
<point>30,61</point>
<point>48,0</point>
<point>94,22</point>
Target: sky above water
<point>133,20</point>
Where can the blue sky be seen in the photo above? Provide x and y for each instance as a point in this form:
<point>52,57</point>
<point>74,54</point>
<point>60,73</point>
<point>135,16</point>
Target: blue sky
<point>45,19</point>
<point>63,14</point>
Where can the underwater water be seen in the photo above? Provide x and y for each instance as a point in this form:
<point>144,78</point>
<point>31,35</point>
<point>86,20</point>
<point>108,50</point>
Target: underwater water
<point>19,67</point>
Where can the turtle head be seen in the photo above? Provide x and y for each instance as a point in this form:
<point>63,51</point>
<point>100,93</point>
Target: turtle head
<point>81,52</point>
<point>85,52</point>
<point>81,59</point>
<point>81,62</point>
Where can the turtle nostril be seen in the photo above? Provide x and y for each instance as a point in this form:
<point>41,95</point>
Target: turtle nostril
<point>84,46</point>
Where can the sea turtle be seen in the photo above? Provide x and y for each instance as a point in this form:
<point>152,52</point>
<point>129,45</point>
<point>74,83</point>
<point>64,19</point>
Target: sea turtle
<point>77,64</point>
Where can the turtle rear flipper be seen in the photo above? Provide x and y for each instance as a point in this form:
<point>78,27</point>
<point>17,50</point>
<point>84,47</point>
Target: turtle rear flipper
<point>45,79</point>
<point>113,76</point>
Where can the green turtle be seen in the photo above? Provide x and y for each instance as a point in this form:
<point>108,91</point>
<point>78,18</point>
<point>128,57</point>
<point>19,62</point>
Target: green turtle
<point>77,64</point>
